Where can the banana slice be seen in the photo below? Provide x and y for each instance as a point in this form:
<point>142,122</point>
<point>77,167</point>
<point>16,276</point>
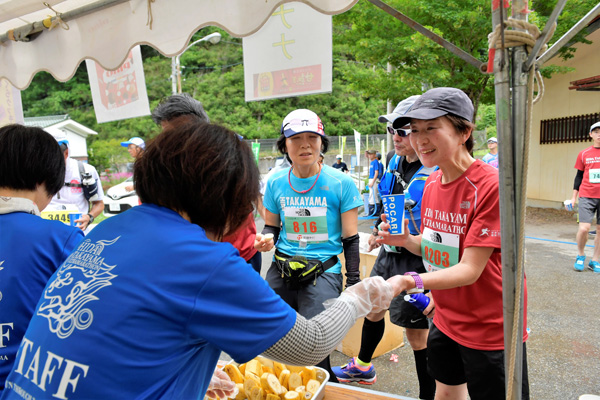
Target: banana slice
<point>270,382</point>
<point>234,373</point>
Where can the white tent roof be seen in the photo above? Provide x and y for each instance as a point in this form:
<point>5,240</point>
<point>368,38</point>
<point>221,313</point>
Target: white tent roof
<point>107,34</point>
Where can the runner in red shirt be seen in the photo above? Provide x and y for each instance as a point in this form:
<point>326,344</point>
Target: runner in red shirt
<point>460,248</point>
<point>587,187</point>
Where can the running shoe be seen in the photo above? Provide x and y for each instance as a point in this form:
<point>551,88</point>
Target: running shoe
<point>352,372</point>
<point>579,263</point>
<point>594,266</point>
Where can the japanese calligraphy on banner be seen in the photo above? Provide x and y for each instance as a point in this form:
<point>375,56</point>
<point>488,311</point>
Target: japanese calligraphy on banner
<point>290,55</point>
<point>121,93</point>
<point>11,108</point>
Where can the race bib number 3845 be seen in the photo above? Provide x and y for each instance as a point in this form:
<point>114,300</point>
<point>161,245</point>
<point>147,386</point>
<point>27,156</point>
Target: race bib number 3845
<point>439,250</point>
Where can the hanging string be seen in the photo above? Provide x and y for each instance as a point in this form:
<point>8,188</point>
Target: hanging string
<point>505,38</point>
<point>52,22</point>
<point>150,17</point>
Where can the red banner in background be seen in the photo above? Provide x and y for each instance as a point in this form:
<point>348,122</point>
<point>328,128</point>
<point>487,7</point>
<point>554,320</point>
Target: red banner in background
<point>120,93</point>
<point>282,82</point>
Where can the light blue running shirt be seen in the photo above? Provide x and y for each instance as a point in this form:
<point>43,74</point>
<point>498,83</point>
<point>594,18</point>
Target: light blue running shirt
<point>316,215</point>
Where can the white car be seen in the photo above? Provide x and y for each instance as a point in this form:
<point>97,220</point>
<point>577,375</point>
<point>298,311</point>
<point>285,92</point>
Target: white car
<point>117,199</point>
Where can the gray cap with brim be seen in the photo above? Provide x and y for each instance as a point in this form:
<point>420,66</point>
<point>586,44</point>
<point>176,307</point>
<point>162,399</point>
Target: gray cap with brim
<point>400,109</point>
<point>596,125</point>
<point>436,103</point>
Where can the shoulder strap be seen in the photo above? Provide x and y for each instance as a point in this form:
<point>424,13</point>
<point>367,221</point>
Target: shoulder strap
<point>81,168</point>
<point>393,163</point>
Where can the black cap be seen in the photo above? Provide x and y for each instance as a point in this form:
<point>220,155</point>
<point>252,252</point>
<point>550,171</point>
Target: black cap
<point>436,103</point>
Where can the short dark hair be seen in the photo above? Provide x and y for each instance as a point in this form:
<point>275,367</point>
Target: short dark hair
<point>201,169</point>
<point>30,157</point>
<point>179,105</point>
<point>463,126</point>
<point>283,149</point>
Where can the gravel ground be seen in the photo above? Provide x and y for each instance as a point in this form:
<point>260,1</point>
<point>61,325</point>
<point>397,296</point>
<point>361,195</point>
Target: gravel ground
<point>564,345</point>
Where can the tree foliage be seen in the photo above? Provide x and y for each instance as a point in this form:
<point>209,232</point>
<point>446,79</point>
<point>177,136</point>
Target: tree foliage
<point>365,40</point>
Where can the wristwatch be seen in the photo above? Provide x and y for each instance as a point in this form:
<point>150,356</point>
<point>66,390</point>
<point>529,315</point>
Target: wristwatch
<point>91,218</point>
<point>375,233</point>
<point>418,283</point>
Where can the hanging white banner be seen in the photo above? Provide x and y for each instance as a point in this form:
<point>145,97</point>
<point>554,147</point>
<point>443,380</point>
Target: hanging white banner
<point>11,108</point>
<point>120,93</point>
<point>290,55</point>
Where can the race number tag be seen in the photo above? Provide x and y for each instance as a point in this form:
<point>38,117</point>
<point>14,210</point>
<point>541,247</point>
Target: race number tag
<point>62,216</point>
<point>306,223</point>
<point>594,175</point>
<point>439,250</point>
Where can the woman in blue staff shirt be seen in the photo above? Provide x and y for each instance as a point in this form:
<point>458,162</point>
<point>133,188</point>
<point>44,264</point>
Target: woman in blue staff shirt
<point>311,210</point>
<point>32,170</point>
<point>144,306</point>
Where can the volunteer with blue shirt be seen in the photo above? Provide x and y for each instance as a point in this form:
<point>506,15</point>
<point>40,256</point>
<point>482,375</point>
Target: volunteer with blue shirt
<point>32,170</point>
<point>374,176</point>
<point>316,207</point>
<point>144,306</point>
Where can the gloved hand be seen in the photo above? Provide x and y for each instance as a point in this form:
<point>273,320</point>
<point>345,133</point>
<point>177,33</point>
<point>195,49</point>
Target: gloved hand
<point>221,386</point>
<point>370,296</point>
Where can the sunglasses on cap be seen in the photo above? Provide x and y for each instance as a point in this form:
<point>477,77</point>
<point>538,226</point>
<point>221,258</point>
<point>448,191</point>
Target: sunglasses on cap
<point>399,132</point>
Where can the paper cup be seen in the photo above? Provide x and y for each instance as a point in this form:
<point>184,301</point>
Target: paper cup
<point>73,217</point>
<point>393,206</point>
<point>568,205</point>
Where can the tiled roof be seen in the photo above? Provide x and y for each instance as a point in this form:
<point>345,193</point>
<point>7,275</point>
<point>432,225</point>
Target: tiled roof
<point>44,122</point>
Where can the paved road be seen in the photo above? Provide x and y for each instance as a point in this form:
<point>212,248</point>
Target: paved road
<point>564,344</point>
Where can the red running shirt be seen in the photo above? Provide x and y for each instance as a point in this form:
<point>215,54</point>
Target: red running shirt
<point>466,213</point>
<point>588,161</point>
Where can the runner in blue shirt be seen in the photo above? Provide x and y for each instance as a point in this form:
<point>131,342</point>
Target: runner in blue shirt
<point>32,170</point>
<point>316,207</point>
<point>144,306</point>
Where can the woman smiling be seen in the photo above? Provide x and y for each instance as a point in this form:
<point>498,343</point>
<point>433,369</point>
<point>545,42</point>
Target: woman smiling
<point>460,248</point>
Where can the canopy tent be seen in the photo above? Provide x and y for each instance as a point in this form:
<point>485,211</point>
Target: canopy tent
<point>57,35</point>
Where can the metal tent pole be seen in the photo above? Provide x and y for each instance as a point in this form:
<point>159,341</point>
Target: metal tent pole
<point>583,23</point>
<point>29,32</point>
<point>511,117</point>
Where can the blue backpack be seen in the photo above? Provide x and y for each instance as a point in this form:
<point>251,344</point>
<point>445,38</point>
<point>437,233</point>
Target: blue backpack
<point>386,183</point>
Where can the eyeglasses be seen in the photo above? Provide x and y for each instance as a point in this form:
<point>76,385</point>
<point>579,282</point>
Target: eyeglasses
<point>399,132</point>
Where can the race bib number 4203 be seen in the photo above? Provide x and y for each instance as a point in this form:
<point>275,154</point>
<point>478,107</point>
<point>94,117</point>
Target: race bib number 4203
<point>439,250</point>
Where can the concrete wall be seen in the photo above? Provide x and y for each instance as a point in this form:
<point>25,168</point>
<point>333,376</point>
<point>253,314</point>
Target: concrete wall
<point>551,166</point>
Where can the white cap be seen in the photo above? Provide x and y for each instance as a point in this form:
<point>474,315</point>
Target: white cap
<point>492,139</point>
<point>302,120</point>
<point>596,125</point>
<point>339,156</point>
<point>139,142</point>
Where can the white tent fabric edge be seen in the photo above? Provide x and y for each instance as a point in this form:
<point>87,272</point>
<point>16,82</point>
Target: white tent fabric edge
<point>107,35</point>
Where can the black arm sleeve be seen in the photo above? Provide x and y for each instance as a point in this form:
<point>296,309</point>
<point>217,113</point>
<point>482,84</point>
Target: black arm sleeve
<point>578,179</point>
<point>352,256</point>
<point>272,229</point>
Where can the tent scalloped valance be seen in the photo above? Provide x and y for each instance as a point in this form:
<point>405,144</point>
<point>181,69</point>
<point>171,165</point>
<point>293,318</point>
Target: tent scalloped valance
<point>106,35</point>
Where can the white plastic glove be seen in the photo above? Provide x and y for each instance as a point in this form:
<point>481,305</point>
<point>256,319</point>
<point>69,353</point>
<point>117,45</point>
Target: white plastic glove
<point>221,386</point>
<point>370,296</point>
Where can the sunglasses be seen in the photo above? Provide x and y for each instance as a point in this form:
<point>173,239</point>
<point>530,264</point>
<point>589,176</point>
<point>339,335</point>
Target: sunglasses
<point>399,132</point>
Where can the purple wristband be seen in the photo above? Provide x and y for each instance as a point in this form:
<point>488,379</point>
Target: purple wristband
<point>418,281</point>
